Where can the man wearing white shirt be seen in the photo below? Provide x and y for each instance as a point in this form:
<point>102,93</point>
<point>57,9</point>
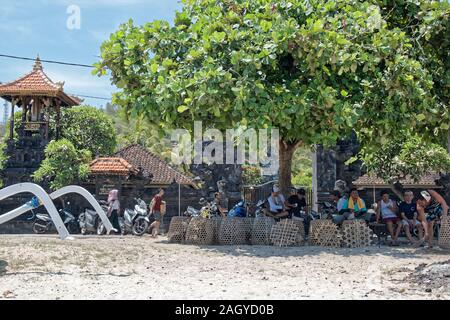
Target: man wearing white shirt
<point>277,207</point>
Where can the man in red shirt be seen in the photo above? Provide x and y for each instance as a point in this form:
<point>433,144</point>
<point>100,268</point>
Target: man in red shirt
<point>155,208</point>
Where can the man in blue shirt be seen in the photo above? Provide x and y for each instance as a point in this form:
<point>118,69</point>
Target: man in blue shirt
<point>408,214</point>
<point>341,204</point>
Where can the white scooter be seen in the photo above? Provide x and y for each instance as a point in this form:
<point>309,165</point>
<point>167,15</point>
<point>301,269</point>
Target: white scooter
<point>135,220</point>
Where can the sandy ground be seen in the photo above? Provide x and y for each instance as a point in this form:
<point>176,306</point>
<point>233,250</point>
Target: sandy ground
<point>44,267</point>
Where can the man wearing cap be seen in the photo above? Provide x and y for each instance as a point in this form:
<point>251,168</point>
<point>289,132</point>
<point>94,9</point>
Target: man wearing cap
<point>431,206</point>
<point>277,208</point>
<point>298,207</point>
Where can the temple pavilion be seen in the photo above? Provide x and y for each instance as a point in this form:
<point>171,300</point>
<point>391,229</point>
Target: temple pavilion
<point>40,100</point>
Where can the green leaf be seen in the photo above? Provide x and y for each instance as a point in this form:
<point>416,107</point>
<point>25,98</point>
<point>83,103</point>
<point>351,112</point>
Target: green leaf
<point>421,117</point>
<point>182,109</point>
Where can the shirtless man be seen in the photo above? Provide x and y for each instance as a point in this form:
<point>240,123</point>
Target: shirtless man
<point>431,206</point>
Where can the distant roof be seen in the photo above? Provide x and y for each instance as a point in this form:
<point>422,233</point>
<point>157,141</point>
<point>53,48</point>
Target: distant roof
<point>37,83</point>
<point>151,165</point>
<point>111,166</point>
<point>372,181</point>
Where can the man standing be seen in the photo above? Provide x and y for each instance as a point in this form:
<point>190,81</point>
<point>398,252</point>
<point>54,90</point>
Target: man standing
<point>408,213</point>
<point>155,209</point>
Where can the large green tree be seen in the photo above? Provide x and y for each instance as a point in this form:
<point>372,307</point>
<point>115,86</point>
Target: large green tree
<point>407,157</point>
<point>90,129</point>
<point>313,69</point>
<point>63,164</point>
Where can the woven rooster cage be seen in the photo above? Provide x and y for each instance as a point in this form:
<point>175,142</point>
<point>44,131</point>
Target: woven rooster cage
<point>233,231</point>
<point>325,233</point>
<point>444,233</point>
<point>248,229</point>
<point>284,233</point>
<point>177,229</point>
<point>200,231</point>
<point>300,237</point>
<point>356,234</point>
<point>262,228</point>
<point>217,222</point>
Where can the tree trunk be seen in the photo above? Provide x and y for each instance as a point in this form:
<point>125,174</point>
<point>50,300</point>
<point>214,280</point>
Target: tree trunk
<point>287,151</point>
<point>448,142</point>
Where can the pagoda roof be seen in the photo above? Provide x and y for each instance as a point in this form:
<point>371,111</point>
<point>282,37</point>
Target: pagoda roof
<point>37,83</point>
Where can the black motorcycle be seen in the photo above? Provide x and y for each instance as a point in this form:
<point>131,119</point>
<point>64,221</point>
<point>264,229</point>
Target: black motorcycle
<point>44,222</point>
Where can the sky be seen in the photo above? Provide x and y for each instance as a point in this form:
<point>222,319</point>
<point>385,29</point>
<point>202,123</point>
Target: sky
<point>32,27</point>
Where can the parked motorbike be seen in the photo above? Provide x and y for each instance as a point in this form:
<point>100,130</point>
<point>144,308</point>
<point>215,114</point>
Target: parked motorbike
<point>191,212</point>
<point>326,211</point>
<point>89,220</point>
<point>260,208</point>
<point>134,220</point>
<point>44,222</point>
<point>239,210</point>
<point>208,210</point>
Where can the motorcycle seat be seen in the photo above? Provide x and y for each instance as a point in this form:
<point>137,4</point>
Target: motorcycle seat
<point>43,217</point>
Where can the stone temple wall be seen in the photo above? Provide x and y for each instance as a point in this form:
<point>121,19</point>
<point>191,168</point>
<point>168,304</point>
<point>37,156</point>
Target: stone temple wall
<point>331,166</point>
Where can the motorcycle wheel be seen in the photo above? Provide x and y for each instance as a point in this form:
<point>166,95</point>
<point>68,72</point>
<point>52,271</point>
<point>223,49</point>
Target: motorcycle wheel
<point>83,231</point>
<point>139,227</point>
<point>39,229</point>
<point>101,230</point>
<point>73,228</point>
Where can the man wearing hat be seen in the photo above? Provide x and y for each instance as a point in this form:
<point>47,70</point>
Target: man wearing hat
<point>431,206</point>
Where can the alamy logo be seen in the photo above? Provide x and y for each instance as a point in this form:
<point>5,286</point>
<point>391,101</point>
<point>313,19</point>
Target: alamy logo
<point>237,146</point>
<point>74,19</point>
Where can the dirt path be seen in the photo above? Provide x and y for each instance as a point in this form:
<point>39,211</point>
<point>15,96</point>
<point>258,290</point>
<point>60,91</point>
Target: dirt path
<point>141,268</point>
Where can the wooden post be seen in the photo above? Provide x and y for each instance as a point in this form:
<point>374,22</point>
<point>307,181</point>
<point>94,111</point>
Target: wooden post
<point>315,187</point>
<point>11,125</point>
<point>58,119</point>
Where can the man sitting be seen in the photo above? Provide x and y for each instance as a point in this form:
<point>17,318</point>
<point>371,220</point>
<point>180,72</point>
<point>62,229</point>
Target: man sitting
<point>357,207</point>
<point>387,210</point>
<point>341,204</point>
<point>298,207</point>
<point>220,204</point>
<point>408,213</point>
<point>277,207</point>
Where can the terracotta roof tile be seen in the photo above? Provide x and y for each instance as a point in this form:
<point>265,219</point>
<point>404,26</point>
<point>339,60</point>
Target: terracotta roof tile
<point>37,83</point>
<point>111,166</point>
<point>374,181</point>
<point>150,164</point>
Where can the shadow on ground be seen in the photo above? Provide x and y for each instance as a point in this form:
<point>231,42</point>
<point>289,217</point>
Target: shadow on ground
<point>308,251</point>
<point>3,265</point>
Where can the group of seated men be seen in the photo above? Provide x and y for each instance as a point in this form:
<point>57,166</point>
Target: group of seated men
<point>409,215</point>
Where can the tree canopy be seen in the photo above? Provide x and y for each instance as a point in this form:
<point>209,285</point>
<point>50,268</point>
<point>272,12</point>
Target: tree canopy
<point>408,157</point>
<point>315,69</point>
<point>63,164</point>
<point>89,128</point>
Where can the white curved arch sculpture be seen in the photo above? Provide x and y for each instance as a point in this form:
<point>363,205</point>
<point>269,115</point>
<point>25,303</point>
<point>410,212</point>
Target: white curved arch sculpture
<point>40,193</point>
<point>46,200</point>
<point>88,196</point>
